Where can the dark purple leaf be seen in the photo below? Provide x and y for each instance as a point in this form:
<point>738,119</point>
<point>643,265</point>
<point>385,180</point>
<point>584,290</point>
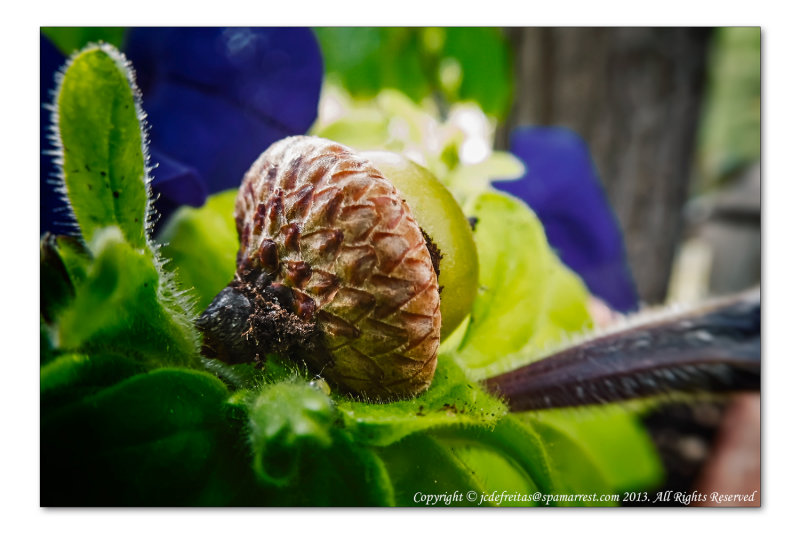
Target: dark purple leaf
<point>714,348</point>
<point>562,187</point>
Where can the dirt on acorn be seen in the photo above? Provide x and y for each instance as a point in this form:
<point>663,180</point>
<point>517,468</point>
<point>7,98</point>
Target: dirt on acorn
<point>333,271</point>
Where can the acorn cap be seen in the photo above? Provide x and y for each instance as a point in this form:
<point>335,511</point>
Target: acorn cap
<point>315,217</point>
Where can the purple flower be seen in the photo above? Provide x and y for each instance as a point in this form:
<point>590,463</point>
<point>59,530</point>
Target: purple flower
<point>215,99</point>
<point>561,185</point>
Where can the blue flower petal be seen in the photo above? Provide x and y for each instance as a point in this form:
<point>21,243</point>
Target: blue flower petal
<point>174,184</point>
<point>54,214</point>
<point>562,187</point>
<point>177,182</point>
<point>216,98</point>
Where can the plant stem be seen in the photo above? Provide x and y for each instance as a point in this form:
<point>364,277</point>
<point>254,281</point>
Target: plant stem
<point>715,348</point>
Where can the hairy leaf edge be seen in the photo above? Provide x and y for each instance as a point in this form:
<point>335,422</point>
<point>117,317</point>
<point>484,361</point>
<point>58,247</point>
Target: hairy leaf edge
<point>177,302</point>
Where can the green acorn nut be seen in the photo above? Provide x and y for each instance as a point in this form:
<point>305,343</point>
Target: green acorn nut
<point>335,271</point>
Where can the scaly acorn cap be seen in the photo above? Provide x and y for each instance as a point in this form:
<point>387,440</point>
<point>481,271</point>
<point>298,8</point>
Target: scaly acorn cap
<point>326,235</point>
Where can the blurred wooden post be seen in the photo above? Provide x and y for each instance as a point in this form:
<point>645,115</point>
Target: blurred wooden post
<point>634,94</point>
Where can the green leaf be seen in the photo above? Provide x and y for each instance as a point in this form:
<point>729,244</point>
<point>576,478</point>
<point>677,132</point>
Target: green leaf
<point>251,375</point>
<point>101,141</point>
<point>360,129</point>
<point>484,60</point>
<point>514,441</point>
<point>452,400</point>
<point>729,136</point>
<point>72,376</point>
<point>420,466</point>
<point>366,60</point>
<point>124,308</point>
<point>496,473</point>
<point>71,39</point>
<point>464,63</point>
<point>47,349</point>
<point>527,300</point>
<point>298,449</point>
<point>75,256</point>
<point>348,474</point>
<point>601,449</point>
<point>575,470</point>
<point>287,421</point>
<point>508,459</point>
<point>200,245</point>
<point>124,303</point>
<point>468,182</point>
<point>63,264</point>
<point>152,439</point>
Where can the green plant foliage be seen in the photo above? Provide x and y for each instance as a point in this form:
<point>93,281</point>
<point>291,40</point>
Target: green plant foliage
<point>497,473</point>
<point>61,261</point>
<point>113,296</point>
<point>468,182</point>
<point>297,448</point>
<point>483,58</point>
<point>515,442</point>
<point>101,144</point>
<point>459,64</point>
<point>528,299</point>
<point>603,447</point>
<point>152,439</point>
<point>74,38</point>
<point>288,421</point>
<point>420,465</point>
<point>366,60</point>
<point>130,416</point>
<point>75,257</point>
<point>121,309</point>
<point>451,400</point>
<point>577,471</point>
<point>393,122</point>
<point>730,130</point>
<point>72,376</point>
<point>202,245</point>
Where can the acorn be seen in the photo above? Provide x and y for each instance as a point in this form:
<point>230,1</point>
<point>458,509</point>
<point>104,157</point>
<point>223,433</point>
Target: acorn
<point>334,271</point>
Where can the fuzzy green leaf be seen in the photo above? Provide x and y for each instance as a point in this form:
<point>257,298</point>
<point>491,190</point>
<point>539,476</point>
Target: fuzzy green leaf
<point>527,299</point>
<point>576,470</point>
<point>152,439</point>
<point>298,449</point>
<point>288,420</point>
<point>496,473</point>
<point>201,245</point>
<point>452,400</point>
<point>101,140</point>
<point>602,449</point>
<point>419,466</point>
<point>123,302</point>
<point>124,307</point>
<point>347,474</point>
<point>63,265</point>
<point>72,376</point>
<point>513,440</point>
<point>73,38</point>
